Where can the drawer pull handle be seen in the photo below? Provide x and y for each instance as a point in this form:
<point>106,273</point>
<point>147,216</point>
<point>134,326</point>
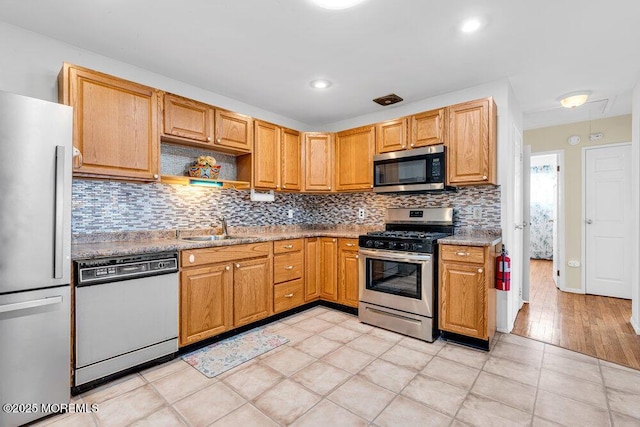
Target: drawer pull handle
<point>237,265</point>
<point>351,244</point>
<point>462,253</point>
<point>289,295</point>
<point>289,267</point>
<point>288,246</point>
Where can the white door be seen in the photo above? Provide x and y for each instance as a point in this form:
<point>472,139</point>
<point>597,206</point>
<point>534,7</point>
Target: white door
<point>517,276</point>
<point>526,219</point>
<point>554,218</point>
<point>608,221</point>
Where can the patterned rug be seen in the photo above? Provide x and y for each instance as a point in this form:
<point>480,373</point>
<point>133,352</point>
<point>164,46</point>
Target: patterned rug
<point>231,352</point>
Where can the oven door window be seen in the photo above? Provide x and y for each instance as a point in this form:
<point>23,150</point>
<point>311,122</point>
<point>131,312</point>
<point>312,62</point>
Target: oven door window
<point>394,277</point>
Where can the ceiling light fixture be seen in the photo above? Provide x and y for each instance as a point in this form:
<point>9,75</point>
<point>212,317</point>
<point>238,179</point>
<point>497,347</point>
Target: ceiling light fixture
<point>471,25</point>
<point>574,99</point>
<point>337,4</point>
<point>320,84</point>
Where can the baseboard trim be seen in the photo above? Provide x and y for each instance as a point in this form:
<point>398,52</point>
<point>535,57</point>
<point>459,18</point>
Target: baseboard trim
<point>635,326</point>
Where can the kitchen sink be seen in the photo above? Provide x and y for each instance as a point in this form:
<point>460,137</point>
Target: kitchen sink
<point>207,238</point>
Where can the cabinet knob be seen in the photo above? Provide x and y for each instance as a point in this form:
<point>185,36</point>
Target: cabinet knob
<point>156,176</point>
<point>227,268</point>
<point>209,138</point>
<point>484,176</point>
<point>192,258</point>
<point>333,240</point>
<point>237,265</point>
<point>284,186</point>
<point>480,270</point>
<point>289,267</point>
<point>357,256</point>
<point>77,158</point>
<point>288,246</point>
<point>218,140</point>
<point>412,145</point>
<point>404,146</point>
<point>289,295</point>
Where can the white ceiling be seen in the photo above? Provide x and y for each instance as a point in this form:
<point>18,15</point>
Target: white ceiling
<point>265,52</point>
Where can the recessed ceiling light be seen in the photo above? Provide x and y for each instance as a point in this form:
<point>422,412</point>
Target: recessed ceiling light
<point>337,4</point>
<point>320,84</point>
<point>574,99</point>
<point>471,25</point>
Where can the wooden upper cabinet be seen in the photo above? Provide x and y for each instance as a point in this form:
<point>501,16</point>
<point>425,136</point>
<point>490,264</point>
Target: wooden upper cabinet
<point>290,160</point>
<point>266,155</point>
<point>391,136</point>
<point>427,128</point>
<point>115,124</point>
<point>354,159</point>
<point>186,118</point>
<point>318,161</point>
<point>471,143</point>
<point>233,131</point>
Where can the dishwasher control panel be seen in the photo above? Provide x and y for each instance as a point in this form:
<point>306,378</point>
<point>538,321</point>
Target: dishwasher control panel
<point>103,270</point>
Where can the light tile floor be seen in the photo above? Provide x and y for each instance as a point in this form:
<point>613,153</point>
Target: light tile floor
<point>336,371</point>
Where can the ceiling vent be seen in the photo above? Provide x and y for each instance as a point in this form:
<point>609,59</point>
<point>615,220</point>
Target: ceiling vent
<point>388,99</point>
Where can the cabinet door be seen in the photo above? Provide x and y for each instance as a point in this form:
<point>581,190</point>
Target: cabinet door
<point>186,118</point>
<point>318,162</point>
<point>463,307</point>
<point>291,160</point>
<point>233,131</point>
<point>252,291</point>
<point>391,136</point>
<point>329,268</point>
<point>471,157</point>
<point>348,273</point>
<point>206,302</point>
<point>266,161</point>
<point>115,125</point>
<point>354,159</point>
<point>427,128</point>
<point>311,268</point>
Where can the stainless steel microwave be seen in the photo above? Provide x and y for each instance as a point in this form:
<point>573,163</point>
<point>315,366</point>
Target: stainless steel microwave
<point>417,170</point>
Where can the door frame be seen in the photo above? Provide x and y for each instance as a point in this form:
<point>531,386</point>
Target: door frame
<point>583,255</point>
<point>561,244</point>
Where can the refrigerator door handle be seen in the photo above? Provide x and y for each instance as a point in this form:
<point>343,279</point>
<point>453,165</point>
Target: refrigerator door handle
<point>59,225</point>
<point>30,304</point>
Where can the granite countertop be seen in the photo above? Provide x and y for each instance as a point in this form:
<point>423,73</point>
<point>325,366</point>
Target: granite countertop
<point>473,238</point>
<point>98,245</point>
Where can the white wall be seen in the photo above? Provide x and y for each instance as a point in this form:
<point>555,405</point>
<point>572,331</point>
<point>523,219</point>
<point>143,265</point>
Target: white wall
<point>31,63</point>
<point>635,184</point>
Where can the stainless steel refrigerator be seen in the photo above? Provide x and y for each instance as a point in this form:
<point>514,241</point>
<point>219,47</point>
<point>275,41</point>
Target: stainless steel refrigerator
<point>35,257</point>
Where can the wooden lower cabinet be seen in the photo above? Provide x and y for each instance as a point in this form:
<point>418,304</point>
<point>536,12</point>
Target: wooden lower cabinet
<point>348,272</point>
<point>252,291</point>
<point>311,269</point>
<point>328,255</point>
<point>467,301</point>
<point>206,302</point>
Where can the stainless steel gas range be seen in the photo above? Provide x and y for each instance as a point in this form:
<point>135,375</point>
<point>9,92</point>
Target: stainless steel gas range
<point>398,271</point>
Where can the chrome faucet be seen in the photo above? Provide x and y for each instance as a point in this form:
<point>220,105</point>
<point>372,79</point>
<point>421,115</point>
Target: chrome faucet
<point>223,223</point>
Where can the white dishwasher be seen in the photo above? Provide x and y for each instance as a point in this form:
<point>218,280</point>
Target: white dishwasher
<point>126,313</point>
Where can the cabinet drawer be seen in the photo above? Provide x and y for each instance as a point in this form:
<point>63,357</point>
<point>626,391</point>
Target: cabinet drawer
<point>288,295</point>
<point>472,254</point>
<point>197,257</point>
<point>285,246</point>
<point>288,267</point>
<point>348,244</point>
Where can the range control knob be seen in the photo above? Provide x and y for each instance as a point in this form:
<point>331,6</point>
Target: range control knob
<point>369,243</point>
<point>392,245</point>
<point>404,246</point>
<point>418,247</point>
<point>378,244</point>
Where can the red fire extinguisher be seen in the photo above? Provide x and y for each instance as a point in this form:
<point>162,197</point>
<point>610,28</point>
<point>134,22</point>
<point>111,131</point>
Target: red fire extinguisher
<point>503,271</point>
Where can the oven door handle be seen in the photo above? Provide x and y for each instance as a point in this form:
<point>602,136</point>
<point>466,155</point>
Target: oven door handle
<point>392,256</point>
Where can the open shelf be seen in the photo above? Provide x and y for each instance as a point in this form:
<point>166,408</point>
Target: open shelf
<point>220,183</point>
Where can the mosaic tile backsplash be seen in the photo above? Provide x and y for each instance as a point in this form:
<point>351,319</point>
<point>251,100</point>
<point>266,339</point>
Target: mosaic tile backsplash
<point>110,206</point>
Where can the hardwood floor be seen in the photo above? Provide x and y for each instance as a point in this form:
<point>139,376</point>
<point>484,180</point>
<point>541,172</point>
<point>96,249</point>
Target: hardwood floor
<point>590,324</point>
